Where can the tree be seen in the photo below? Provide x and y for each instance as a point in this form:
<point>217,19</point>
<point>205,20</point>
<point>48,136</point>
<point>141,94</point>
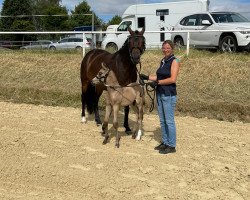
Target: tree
<point>14,9</point>
<point>82,16</point>
<point>115,20</point>
<point>55,23</point>
<point>50,8</point>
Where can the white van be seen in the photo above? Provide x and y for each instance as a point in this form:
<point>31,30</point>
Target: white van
<point>154,17</point>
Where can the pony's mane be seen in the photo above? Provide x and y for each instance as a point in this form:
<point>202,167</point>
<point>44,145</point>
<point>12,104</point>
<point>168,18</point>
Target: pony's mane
<point>125,44</point>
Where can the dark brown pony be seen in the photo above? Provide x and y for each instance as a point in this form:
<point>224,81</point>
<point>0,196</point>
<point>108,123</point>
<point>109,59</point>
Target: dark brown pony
<point>123,64</point>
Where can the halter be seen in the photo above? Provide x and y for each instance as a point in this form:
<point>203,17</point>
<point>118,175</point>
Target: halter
<point>136,42</point>
<point>103,76</point>
<point>133,42</point>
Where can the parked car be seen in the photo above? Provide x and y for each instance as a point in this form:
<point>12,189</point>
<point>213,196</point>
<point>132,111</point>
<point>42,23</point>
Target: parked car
<point>226,41</point>
<point>39,44</point>
<point>72,43</point>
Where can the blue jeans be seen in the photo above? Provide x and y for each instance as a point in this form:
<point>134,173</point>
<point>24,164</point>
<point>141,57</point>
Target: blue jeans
<point>166,109</point>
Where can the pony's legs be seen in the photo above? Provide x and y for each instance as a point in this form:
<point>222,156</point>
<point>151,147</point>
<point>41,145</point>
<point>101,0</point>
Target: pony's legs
<point>125,124</point>
<point>135,108</point>
<point>115,125</point>
<point>98,92</point>
<point>97,115</point>
<point>108,111</point>
<point>83,109</point>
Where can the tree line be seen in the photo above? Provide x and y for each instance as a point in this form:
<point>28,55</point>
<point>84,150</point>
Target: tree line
<point>46,15</point>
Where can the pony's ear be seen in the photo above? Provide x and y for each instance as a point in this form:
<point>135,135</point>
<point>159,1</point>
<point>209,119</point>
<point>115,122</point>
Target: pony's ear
<point>104,66</point>
<point>130,31</point>
<point>142,31</point>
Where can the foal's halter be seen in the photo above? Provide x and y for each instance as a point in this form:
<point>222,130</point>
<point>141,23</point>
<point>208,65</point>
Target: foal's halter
<point>103,76</point>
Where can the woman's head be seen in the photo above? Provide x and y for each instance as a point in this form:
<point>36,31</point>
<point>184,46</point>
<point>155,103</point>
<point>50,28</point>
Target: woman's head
<point>167,47</point>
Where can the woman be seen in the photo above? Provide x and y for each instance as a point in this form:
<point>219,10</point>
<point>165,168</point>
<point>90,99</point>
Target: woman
<point>165,83</point>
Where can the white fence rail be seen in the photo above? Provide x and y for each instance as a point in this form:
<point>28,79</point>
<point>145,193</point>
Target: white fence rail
<point>94,33</point>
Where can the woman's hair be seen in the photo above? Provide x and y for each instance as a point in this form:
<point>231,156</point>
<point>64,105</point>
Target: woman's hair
<point>168,42</point>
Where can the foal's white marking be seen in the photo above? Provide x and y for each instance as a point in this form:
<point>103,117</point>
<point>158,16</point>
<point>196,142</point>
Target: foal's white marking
<point>139,134</point>
<point>84,120</point>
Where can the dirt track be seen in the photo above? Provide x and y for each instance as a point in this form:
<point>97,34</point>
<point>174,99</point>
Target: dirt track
<point>46,153</point>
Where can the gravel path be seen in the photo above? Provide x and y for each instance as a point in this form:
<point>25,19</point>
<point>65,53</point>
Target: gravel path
<point>46,153</point>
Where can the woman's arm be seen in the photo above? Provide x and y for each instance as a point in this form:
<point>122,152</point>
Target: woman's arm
<point>152,77</point>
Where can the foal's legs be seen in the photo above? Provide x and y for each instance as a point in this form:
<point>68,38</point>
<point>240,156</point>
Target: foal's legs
<point>140,118</point>
<point>138,125</point>
<point>135,108</point>
<point>115,124</point>
<point>105,123</point>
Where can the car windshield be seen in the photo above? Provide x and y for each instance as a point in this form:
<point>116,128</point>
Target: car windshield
<point>228,17</point>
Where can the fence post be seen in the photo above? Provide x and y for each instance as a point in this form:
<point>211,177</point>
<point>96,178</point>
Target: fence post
<point>188,38</point>
<point>84,45</point>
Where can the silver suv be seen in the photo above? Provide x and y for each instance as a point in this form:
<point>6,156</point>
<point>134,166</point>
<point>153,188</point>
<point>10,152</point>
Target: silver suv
<point>72,43</point>
<point>226,41</point>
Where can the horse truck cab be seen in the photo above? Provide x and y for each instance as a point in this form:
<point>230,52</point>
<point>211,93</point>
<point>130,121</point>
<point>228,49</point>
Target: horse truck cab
<point>154,17</point>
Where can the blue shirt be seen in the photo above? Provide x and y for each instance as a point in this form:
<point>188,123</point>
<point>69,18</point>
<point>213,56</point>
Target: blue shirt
<point>163,72</point>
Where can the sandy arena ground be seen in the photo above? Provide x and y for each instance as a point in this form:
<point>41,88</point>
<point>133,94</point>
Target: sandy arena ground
<point>46,153</point>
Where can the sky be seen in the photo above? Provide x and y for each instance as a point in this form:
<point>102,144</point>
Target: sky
<point>106,9</point>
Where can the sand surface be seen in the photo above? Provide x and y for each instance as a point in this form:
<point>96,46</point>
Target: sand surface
<point>46,153</point>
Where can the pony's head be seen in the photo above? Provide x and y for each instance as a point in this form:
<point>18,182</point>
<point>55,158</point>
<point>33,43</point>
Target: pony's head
<point>136,44</point>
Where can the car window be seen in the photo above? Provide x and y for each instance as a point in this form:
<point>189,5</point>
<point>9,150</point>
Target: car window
<point>45,42</point>
<point>34,43</point>
<point>63,40</point>
<point>71,40</point>
<point>191,20</point>
<point>78,39</point>
<point>124,26</point>
<point>75,40</point>
<point>203,17</point>
<point>228,17</point>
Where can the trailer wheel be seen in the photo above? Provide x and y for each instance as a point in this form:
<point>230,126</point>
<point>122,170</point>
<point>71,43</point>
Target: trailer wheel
<point>228,44</point>
<point>111,47</point>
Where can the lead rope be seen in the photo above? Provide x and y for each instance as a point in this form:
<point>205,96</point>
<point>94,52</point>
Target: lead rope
<point>148,90</point>
<point>151,108</point>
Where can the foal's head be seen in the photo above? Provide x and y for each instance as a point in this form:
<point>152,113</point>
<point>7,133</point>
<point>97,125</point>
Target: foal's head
<point>102,75</point>
<point>136,43</point>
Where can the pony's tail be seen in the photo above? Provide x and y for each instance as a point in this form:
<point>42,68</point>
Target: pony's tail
<point>91,99</point>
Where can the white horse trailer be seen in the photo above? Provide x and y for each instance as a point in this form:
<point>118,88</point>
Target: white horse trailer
<point>154,17</point>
